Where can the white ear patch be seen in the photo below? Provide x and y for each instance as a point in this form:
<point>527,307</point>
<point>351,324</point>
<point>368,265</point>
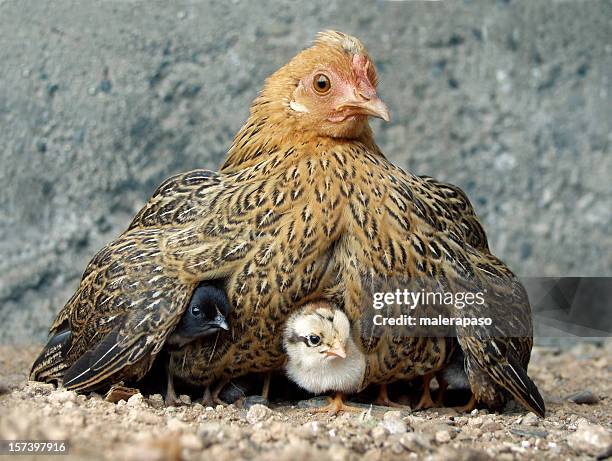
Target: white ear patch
<point>296,106</point>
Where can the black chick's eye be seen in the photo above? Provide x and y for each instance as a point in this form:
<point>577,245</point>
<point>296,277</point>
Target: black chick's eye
<point>195,311</point>
<point>313,340</point>
<point>322,84</point>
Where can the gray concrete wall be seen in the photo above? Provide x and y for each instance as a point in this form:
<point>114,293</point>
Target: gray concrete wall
<point>100,101</point>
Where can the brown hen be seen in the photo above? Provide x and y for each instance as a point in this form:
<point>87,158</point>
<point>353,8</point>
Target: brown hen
<point>305,207</point>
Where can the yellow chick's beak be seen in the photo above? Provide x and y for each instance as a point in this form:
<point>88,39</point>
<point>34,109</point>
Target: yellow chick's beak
<point>337,350</point>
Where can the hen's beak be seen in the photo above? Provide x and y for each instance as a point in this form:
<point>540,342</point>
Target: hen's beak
<point>364,105</point>
<point>337,350</point>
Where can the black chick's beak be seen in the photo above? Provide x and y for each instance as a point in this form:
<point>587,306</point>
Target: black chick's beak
<point>220,322</point>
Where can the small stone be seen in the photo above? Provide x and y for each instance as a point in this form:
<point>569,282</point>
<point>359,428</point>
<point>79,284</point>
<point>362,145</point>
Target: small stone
<point>219,408</point>
<point>443,437</point>
<point>591,439</point>
<point>185,399</point>
<point>379,434</point>
<point>394,426</point>
<point>585,397</point>
<point>531,419</point>
<point>62,397</point>
<point>490,426</point>
<point>191,442</point>
<point>394,414</point>
<point>258,413</point>
<point>156,401</point>
<point>175,424</point>
<point>310,430</point>
<point>36,388</point>
<point>526,431</point>
<point>137,400</point>
<point>414,442</point>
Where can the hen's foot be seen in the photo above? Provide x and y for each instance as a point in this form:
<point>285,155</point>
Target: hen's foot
<point>426,401</point>
<point>119,392</point>
<point>468,407</point>
<point>384,400</point>
<point>215,393</point>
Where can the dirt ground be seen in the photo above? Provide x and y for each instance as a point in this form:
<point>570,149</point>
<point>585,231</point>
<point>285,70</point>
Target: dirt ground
<point>144,429</point>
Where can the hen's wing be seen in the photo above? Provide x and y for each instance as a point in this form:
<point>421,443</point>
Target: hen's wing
<point>455,212</point>
<point>129,298</point>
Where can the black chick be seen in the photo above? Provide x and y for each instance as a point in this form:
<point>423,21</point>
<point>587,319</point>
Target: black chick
<point>205,316</point>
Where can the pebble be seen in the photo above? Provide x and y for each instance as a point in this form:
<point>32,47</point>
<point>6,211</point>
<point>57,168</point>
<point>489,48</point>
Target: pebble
<point>258,413</point>
<point>191,442</point>
<point>175,424</point>
<point>531,419</point>
<point>585,397</point>
<point>137,400</point>
<point>156,401</point>
<point>379,434</point>
<point>443,437</point>
<point>490,426</point>
<point>36,388</point>
<point>62,397</point>
<point>393,423</point>
<point>185,399</point>
<point>527,431</point>
<point>415,442</point>
<point>591,439</point>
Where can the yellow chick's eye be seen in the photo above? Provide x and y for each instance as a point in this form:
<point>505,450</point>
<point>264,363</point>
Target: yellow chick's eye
<point>321,83</point>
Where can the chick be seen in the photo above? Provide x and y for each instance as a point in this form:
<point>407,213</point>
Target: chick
<point>204,317</point>
<point>321,354</point>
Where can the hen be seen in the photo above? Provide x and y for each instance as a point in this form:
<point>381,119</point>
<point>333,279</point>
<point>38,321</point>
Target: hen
<point>305,207</point>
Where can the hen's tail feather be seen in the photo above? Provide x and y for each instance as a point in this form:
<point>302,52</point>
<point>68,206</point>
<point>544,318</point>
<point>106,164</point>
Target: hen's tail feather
<point>51,362</point>
<point>512,376</point>
<point>96,366</point>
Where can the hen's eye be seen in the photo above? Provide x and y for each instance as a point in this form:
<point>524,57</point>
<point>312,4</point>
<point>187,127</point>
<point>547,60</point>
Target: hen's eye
<point>313,340</point>
<point>321,83</point>
<point>195,311</point>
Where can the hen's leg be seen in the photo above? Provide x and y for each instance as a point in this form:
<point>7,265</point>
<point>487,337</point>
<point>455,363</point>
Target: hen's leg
<point>443,386</point>
<point>426,401</point>
<point>384,400</point>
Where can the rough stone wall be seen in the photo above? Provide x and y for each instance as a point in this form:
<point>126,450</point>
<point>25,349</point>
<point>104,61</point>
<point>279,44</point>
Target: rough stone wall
<point>100,101</point>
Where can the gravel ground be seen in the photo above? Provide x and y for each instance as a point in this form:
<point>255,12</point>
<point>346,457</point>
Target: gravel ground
<point>144,429</point>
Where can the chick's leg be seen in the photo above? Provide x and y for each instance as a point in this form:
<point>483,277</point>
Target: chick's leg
<point>266,386</point>
<point>171,399</point>
<point>217,390</point>
<point>336,405</point>
<point>384,400</point>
